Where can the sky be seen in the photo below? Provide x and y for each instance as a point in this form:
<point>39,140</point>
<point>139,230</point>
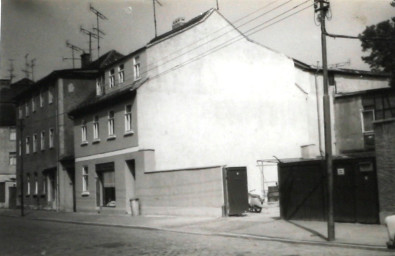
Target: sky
<point>40,28</point>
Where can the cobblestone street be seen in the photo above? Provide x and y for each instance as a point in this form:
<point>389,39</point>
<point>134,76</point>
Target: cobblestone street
<point>31,237</point>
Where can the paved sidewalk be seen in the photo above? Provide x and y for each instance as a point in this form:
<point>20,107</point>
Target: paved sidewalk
<point>265,226</point>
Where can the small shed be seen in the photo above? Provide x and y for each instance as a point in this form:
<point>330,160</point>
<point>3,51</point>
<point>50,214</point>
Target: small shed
<point>304,193</point>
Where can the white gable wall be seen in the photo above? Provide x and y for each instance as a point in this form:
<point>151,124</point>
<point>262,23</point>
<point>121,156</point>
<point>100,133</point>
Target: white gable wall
<point>234,107</point>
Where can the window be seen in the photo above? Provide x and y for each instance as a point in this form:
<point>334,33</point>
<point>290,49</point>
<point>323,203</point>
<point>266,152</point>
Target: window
<point>85,179</point>
<point>83,131</point>
<point>128,118</point>
<point>27,108</point>
<point>20,112</point>
<point>34,143</point>
<point>99,86</point>
<point>42,140</point>
<point>50,96</point>
<point>121,73</point>
<point>28,184</point>
<point>34,104</point>
<point>35,184</point>
<point>27,145</point>
<point>96,128</point>
<point>12,134</point>
<point>41,99</point>
<point>367,118</point>
<point>20,147</point>
<point>44,184</point>
<point>111,123</point>
<point>12,156</point>
<point>112,78</point>
<point>136,67</point>
<point>51,137</point>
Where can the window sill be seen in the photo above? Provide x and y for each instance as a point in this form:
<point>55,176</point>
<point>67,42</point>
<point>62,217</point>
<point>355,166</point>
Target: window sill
<point>128,133</point>
<point>85,193</point>
<point>84,143</point>
<point>137,78</point>
<point>112,137</point>
<point>95,141</point>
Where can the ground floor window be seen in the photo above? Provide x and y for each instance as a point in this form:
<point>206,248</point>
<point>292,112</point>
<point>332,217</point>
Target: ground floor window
<point>106,185</point>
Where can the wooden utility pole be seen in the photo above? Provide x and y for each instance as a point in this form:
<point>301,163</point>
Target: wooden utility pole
<point>21,172</point>
<point>322,8</point>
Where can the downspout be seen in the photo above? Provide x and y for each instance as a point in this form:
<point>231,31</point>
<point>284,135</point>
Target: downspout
<point>57,148</point>
<point>318,113</point>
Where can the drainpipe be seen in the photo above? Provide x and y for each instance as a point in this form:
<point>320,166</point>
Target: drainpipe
<point>57,148</point>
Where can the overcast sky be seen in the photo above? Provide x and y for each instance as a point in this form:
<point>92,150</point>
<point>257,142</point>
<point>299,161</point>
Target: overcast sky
<point>41,27</point>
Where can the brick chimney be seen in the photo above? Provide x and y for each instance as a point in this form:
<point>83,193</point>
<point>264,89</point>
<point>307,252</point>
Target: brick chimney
<point>85,59</point>
<point>178,22</point>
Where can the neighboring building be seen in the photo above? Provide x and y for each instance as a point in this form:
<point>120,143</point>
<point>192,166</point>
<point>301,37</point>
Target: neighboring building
<point>46,150</point>
<point>170,116</point>
<point>8,141</point>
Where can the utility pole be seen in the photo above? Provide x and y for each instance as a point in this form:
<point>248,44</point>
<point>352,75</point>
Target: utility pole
<point>21,126</point>
<point>101,16</point>
<point>73,48</point>
<point>26,70</point>
<point>11,70</point>
<point>90,34</point>
<point>322,8</point>
<point>153,4</point>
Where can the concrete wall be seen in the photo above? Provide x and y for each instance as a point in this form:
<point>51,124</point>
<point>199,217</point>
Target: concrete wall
<point>385,161</point>
<point>234,106</point>
<point>182,192</point>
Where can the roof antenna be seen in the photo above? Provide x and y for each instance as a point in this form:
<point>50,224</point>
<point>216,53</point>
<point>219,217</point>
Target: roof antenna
<point>153,3</point>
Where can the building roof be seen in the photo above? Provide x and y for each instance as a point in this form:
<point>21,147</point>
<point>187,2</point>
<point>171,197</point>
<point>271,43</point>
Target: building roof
<point>105,60</point>
<point>64,73</point>
<point>95,102</point>
<point>181,28</point>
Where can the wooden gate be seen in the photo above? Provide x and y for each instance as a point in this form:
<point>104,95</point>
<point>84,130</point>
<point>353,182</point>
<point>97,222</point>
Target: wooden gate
<point>303,190</point>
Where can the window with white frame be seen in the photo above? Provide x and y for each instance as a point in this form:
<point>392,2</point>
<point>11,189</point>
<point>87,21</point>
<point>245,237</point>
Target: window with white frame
<point>35,184</point>
<point>27,145</point>
<point>50,96</point>
<point>85,179</point>
<point>136,67</point>
<point>51,137</point>
<point>367,118</point>
<point>34,104</point>
<point>111,123</point>
<point>34,143</point>
<point>128,118</point>
<point>12,134</point>
<point>99,86</point>
<point>83,131</point>
<point>27,109</point>
<point>121,73</point>
<point>96,127</point>
<point>42,140</point>
<point>112,78</point>
<point>12,158</point>
<point>41,99</point>
<point>28,184</point>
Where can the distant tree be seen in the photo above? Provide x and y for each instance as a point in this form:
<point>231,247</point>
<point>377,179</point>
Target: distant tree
<point>379,40</point>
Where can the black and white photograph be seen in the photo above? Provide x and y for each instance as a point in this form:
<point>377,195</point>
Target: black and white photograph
<point>197,127</point>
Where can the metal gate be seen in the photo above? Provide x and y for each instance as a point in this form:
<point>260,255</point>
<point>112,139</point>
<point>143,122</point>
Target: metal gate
<point>236,191</point>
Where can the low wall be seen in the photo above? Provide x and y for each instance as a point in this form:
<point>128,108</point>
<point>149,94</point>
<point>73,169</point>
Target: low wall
<point>194,192</point>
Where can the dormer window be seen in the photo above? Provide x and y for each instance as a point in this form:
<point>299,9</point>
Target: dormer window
<point>121,73</point>
<point>136,67</point>
<point>112,78</point>
<point>50,96</point>
<point>99,90</point>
